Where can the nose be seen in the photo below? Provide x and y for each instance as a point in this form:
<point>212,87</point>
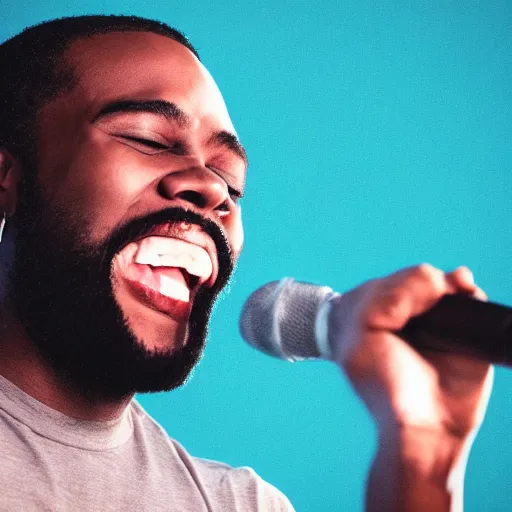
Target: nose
<point>197,186</point>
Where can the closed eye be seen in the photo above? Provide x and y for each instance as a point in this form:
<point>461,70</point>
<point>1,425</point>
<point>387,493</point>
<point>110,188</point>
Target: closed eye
<point>178,148</point>
<point>148,143</point>
<point>235,195</point>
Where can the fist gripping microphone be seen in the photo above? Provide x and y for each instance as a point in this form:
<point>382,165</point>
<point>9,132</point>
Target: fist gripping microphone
<point>288,319</point>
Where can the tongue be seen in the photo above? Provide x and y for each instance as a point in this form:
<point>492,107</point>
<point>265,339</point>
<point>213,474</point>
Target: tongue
<point>168,281</point>
<point>172,283</point>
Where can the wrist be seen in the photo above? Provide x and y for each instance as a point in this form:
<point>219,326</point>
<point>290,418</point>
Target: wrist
<point>417,469</point>
<point>428,454</point>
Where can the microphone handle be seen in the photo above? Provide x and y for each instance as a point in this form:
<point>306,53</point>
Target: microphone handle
<point>462,324</point>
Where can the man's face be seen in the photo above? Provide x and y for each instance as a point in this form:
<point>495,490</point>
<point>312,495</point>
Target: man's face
<point>132,228</point>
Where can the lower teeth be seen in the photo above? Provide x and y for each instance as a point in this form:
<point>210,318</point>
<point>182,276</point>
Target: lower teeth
<point>173,288</point>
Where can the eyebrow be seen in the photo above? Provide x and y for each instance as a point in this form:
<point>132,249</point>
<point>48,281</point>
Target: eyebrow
<point>166,109</point>
<point>231,142</point>
<point>172,112</point>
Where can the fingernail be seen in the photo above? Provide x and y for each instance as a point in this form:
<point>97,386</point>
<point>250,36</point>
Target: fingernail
<point>470,278</point>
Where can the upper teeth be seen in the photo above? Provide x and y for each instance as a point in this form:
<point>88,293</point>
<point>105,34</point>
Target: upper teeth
<point>161,251</point>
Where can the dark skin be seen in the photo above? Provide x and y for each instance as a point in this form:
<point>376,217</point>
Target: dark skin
<point>99,170</point>
<point>91,169</point>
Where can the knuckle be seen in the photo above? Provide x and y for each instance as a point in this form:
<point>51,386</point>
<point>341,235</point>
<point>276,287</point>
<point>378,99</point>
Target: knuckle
<point>387,304</point>
<point>424,270</point>
<point>392,298</point>
<point>432,276</point>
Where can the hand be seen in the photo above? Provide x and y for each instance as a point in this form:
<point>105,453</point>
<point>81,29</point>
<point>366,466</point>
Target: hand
<point>428,403</point>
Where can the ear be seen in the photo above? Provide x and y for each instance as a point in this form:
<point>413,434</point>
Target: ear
<point>10,174</point>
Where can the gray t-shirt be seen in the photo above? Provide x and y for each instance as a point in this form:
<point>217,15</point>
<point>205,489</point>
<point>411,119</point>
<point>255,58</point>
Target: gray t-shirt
<point>50,462</point>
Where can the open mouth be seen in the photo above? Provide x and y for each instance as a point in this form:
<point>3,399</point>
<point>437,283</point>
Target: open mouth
<point>164,273</point>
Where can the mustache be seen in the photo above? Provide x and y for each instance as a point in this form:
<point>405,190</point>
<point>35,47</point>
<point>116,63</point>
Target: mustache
<point>139,227</point>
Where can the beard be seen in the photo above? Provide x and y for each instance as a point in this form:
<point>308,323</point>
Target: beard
<point>60,287</point>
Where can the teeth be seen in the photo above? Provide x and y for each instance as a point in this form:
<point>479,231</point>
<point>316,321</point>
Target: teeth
<point>170,252</point>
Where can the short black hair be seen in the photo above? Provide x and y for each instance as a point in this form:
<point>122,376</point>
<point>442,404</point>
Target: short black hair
<point>33,71</point>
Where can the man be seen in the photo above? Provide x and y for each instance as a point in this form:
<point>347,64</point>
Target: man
<point>120,175</point>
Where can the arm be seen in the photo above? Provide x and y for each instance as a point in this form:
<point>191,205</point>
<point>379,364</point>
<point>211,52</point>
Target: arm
<point>427,407</point>
<point>416,470</point>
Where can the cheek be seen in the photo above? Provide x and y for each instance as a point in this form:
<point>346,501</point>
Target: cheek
<point>100,184</point>
<point>235,230</point>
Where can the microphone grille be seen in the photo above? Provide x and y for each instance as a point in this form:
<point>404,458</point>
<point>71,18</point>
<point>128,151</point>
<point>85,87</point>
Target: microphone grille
<point>280,318</point>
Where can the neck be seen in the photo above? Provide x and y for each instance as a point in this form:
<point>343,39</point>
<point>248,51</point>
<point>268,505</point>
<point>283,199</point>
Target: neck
<point>21,363</point>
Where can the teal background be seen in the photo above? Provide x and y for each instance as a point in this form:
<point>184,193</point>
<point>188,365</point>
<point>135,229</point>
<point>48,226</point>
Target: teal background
<point>379,137</point>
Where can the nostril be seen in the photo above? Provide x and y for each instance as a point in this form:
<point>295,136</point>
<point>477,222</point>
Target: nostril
<point>191,196</point>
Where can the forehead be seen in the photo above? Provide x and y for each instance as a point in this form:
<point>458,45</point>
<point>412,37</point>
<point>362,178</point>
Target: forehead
<point>143,65</point>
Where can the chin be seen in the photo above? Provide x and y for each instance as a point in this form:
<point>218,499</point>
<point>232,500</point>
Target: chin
<point>158,338</point>
<point>155,330</point>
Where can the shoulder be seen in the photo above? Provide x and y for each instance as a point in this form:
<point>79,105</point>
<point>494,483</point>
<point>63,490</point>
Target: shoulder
<point>242,485</point>
<point>232,488</point>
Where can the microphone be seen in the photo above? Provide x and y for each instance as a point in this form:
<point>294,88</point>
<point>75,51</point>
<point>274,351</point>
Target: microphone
<point>288,319</point>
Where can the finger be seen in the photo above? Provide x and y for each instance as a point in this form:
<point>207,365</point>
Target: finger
<point>405,294</point>
<point>462,279</point>
<point>480,294</point>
